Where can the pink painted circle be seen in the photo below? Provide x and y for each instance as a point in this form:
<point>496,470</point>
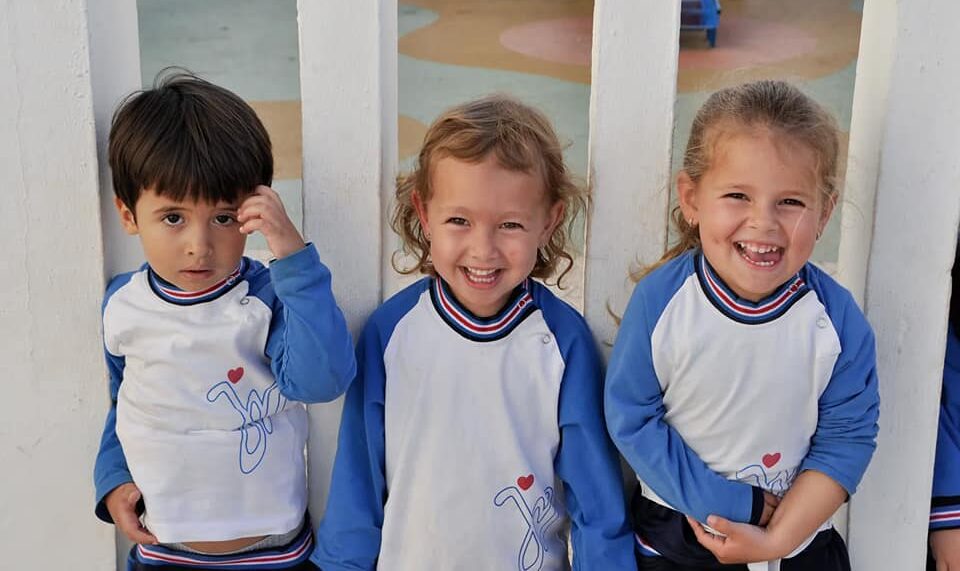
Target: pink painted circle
<point>563,40</point>
<point>741,42</point>
<point>747,42</point>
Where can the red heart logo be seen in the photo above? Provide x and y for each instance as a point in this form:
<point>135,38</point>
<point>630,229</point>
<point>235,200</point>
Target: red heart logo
<point>525,482</point>
<point>770,459</point>
<point>235,375</point>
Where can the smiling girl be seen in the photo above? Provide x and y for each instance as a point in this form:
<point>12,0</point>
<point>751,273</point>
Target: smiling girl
<point>473,437</point>
<point>742,386</point>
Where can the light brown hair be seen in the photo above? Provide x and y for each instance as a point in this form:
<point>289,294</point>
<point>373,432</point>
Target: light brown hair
<point>522,140</point>
<point>187,138</point>
<point>777,106</point>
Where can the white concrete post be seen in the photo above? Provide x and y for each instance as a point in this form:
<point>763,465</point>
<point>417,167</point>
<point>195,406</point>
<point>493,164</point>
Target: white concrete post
<point>348,79</point>
<point>635,48</point>
<point>114,73</point>
<point>52,267</point>
<point>917,211</point>
<point>878,37</point>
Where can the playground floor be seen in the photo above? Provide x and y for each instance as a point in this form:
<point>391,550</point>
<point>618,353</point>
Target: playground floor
<point>538,50</point>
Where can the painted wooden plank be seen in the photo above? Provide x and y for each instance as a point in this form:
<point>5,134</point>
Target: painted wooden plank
<point>52,263</point>
<point>635,49</point>
<point>915,228</point>
<point>349,163</point>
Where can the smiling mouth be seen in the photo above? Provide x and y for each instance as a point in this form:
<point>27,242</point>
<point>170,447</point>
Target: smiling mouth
<point>481,276</point>
<point>761,255</point>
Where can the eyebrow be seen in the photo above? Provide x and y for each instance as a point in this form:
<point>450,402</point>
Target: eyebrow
<point>176,208</point>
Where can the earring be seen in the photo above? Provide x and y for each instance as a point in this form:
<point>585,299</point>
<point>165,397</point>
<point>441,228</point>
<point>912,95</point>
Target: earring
<point>819,233</point>
<point>427,236</point>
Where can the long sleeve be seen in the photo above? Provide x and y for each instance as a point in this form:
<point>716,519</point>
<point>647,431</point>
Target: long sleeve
<point>589,466</point>
<point>656,451</point>
<point>110,469</point>
<point>309,346</point>
<point>945,502</point>
<point>849,407</point>
<point>349,535</point>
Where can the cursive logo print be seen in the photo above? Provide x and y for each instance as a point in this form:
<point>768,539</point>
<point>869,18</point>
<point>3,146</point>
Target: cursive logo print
<point>254,413</point>
<point>538,520</point>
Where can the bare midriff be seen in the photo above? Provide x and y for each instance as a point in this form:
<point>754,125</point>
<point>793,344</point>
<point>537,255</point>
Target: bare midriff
<point>223,546</point>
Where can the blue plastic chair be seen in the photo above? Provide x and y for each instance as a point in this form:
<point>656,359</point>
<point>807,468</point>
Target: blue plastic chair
<point>701,15</point>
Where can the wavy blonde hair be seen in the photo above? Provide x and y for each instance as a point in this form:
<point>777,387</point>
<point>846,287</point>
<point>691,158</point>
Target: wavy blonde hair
<point>522,140</point>
<point>778,106</point>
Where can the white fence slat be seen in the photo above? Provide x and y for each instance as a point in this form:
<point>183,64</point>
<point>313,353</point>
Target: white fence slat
<point>635,48</point>
<point>349,157</point>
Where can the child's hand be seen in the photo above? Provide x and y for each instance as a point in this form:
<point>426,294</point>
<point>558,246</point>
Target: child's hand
<point>770,503</point>
<point>122,505</point>
<point>945,545</point>
<point>744,543</point>
<point>263,211</point>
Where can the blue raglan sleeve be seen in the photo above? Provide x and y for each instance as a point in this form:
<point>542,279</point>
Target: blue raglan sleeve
<point>849,407</point>
<point>587,462</point>
<point>110,468</point>
<point>945,501</point>
<point>349,535</point>
<point>656,451</point>
<point>309,345</point>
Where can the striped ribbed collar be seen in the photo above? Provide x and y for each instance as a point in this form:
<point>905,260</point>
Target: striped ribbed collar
<point>171,293</point>
<point>743,310</point>
<point>460,319</point>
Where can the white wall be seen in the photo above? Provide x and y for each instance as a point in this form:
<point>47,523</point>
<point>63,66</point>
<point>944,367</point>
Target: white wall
<point>52,267</point>
<point>911,251</point>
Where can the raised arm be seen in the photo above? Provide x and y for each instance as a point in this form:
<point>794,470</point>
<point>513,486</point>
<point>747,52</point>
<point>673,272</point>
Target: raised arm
<point>309,346</point>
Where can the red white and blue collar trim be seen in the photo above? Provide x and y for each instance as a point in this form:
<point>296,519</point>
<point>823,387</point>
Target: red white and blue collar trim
<point>518,307</point>
<point>171,293</point>
<point>743,310</point>
<point>284,557</point>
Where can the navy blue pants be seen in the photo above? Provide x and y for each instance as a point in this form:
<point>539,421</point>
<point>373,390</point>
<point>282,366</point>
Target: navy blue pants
<point>668,532</point>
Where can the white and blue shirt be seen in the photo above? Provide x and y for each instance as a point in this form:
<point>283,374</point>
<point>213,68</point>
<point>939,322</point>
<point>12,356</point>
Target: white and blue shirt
<point>206,391</point>
<point>945,505</point>
<point>712,398</point>
<point>475,443</point>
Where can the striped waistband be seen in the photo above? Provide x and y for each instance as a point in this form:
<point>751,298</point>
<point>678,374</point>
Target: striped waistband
<point>282,557</point>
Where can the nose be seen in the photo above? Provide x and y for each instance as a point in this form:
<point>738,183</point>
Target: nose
<point>199,242</point>
<point>483,244</point>
<point>763,216</point>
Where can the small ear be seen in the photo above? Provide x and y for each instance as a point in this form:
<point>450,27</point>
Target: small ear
<point>825,213</point>
<point>687,196</point>
<point>421,207</point>
<point>554,217</point>
<point>127,218</point>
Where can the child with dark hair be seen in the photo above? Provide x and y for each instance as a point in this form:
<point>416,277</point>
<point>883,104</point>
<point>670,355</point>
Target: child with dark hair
<point>945,503</point>
<point>210,354</point>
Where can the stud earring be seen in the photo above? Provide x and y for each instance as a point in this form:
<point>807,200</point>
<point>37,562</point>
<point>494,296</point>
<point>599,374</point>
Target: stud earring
<point>819,233</point>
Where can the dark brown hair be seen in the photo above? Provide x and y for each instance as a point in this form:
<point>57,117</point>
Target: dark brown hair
<point>522,140</point>
<point>187,138</point>
<point>778,106</point>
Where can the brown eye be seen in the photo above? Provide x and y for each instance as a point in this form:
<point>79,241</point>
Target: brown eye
<point>173,219</point>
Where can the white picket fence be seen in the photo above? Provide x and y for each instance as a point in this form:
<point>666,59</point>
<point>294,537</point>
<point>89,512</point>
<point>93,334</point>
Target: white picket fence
<point>65,63</point>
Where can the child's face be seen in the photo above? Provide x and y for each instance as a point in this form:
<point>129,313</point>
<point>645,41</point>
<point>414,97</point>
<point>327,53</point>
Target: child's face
<point>758,209</point>
<point>192,245</point>
<point>485,224</point>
